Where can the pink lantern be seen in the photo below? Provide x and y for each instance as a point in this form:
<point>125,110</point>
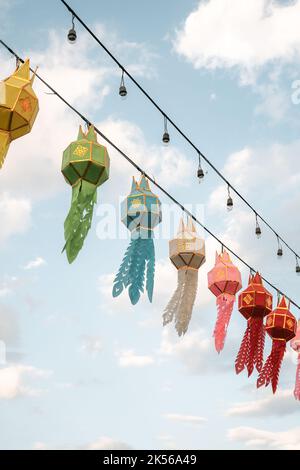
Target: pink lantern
<point>224,281</point>
<point>295,344</point>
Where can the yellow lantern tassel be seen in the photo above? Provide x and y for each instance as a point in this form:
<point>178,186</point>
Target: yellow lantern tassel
<point>4,145</point>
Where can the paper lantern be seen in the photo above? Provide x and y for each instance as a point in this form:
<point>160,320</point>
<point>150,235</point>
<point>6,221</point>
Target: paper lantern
<point>85,166</point>
<point>18,107</point>
<point>255,302</point>
<point>187,253</point>
<point>295,344</point>
<point>281,326</point>
<point>141,213</point>
<point>224,281</point>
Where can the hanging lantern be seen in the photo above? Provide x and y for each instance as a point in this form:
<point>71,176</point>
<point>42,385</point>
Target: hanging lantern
<point>85,166</point>
<point>255,302</point>
<point>187,253</point>
<point>141,212</point>
<point>18,107</point>
<point>224,281</point>
<point>281,325</point>
<point>295,344</point>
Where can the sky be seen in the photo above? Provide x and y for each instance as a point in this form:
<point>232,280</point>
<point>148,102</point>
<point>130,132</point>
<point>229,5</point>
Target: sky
<point>83,370</point>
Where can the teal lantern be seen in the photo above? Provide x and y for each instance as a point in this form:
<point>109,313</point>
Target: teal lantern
<point>141,213</point>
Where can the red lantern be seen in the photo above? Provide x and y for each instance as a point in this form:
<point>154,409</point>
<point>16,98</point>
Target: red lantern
<point>255,302</point>
<point>295,344</point>
<point>224,281</point>
<point>281,325</point>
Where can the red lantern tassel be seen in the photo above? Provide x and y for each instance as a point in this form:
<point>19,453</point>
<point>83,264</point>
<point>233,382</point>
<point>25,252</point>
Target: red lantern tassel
<point>252,347</point>
<point>297,384</point>
<point>271,368</point>
<point>225,305</point>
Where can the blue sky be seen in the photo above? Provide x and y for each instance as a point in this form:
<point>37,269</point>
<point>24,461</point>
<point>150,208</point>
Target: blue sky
<point>84,370</point>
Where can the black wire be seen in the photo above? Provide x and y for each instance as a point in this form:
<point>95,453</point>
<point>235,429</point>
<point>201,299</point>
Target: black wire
<point>145,93</point>
<point>140,170</point>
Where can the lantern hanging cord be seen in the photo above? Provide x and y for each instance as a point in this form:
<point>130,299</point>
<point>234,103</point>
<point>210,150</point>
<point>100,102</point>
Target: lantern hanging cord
<point>140,170</point>
<point>176,127</point>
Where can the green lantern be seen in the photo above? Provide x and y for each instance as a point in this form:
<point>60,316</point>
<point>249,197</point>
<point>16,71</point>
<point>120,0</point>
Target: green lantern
<point>85,166</point>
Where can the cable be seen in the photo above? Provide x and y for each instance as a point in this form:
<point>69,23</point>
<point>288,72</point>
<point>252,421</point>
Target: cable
<point>185,137</point>
<point>153,181</point>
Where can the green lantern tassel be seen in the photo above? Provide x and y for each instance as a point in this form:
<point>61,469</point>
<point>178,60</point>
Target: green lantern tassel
<point>79,219</point>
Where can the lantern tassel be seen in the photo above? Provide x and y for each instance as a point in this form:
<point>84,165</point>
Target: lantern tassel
<point>139,260</point>
<point>4,146</point>
<point>297,384</point>
<point>79,219</point>
<point>252,348</point>
<point>182,302</point>
<point>225,305</point>
<point>270,371</point>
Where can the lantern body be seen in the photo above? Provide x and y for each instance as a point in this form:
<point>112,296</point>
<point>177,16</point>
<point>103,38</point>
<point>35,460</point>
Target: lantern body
<point>281,326</point>
<point>187,249</point>
<point>141,210</point>
<point>224,281</point>
<point>141,213</point>
<point>18,107</point>
<point>295,345</point>
<point>85,159</point>
<point>255,302</point>
<point>281,323</point>
<point>187,253</point>
<point>85,166</point>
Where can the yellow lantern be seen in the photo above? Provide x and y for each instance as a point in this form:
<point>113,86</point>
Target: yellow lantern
<point>18,107</point>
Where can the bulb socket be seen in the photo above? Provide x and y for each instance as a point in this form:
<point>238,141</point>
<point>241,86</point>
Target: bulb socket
<point>166,138</point>
<point>123,91</point>
<point>279,252</point>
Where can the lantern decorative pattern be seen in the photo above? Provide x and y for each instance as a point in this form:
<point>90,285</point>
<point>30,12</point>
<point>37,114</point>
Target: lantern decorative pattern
<point>295,344</point>
<point>281,326</point>
<point>224,281</point>
<point>85,166</point>
<point>255,302</point>
<point>18,107</point>
<point>141,213</point>
<point>187,253</point>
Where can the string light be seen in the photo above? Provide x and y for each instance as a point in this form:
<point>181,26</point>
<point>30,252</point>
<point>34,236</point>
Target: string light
<point>200,172</point>
<point>257,228</point>
<point>72,35</point>
<point>229,200</point>
<point>175,126</point>
<point>122,89</point>
<point>297,267</point>
<point>166,136</point>
<point>279,249</point>
<point>151,179</point>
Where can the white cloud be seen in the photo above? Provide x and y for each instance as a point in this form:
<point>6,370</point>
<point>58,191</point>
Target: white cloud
<point>91,344</point>
<point>15,215</point>
<point>128,358</point>
<point>187,419</point>
<point>281,404</point>
<point>13,381</point>
<point>258,438</point>
<point>249,34</point>
<point>35,263</point>
<point>107,443</point>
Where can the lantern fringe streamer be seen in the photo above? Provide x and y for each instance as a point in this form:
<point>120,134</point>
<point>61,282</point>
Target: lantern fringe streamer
<point>270,371</point>
<point>181,305</point>
<point>79,219</point>
<point>138,259</point>
<point>252,347</point>
<point>297,384</point>
<point>224,305</point>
